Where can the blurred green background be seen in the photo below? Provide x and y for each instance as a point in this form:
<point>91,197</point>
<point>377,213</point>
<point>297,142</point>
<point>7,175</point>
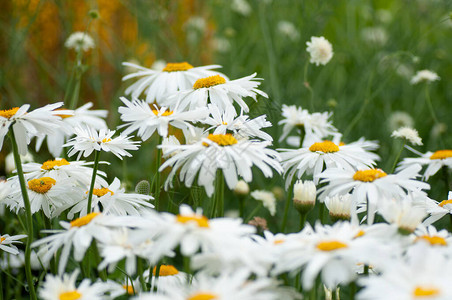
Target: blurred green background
<point>378,46</point>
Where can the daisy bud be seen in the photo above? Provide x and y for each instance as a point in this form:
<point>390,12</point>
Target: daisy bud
<point>143,187</point>
<point>339,207</point>
<point>409,134</point>
<point>94,14</point>
<point>241,188</point>
<point>304,196</point>
<point>278,192</point>
<point>10,165</point>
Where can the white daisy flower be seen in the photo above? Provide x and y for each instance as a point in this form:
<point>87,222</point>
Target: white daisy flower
<point>80,41</point>
<point>432,237</point>
<point>316,124</point>
<point>399,119</point>
<point>288,29</point>
<point>227,286</point>
<point>219,91</point>
<point>436,209</point>
<point>424,273</point>
<point>370,187</point>
<point>7,243</point>
<point>88,140</point>
<point>433,160</point>
<point>240,126</point>
<point>267,198</point>
<point>314,159</point>
<point>193,231</point>
<point>242,7</point>
<point>424,76</point>
<point>169,277</point>
<point>29,124</point>
<point>157,84</point>
<point>112,199</point>
<point>64,287</point>
<point>320,50</point>
<point>76,235</point>
<point>403,214</point>
<point>140,116</point>
<point>409,134</point>
<point>60,168</point>
<point>45,193</point>
<point>220,152</point>
<point>72,119</point>
<point>340,207</point>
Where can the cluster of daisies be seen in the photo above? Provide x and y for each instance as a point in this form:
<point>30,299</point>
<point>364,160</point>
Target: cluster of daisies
<point>373,229</point>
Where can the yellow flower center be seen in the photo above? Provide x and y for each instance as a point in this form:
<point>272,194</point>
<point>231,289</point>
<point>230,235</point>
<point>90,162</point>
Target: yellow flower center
<point>41,185</point>
<point>224,123</point>
<point>433,240</point>
<point>2,239</point>
<point>279,241</point>
<point>174,67</point>
<point>8,113</point>
<point>101,192</point>
<point>63,116</point>
<point>82,221</point>
<point>420,291</point>
<point>164,114</point>
<point>331,245</point>
<point>208,82</point>
<point>106,140</point>
<point>325,147</point>
<point>73,295</point>
<point>441,154</point>
<point>221,139</point>
<point>359,234</point>
<point>444,202</point>
<point>202,296</point>
<point>51,164</point>
<point>166,270</point>
<point>129,289</point>
<point>201,221</point>
<point>368,175</point>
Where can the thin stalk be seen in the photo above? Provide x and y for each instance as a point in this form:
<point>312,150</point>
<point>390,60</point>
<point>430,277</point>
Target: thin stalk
<point>156,276</point>
<point>352,290</point>
<point>430,105</point>
<point>93,181</point>
<point>253,213</point>
<point>398,156</point>
<point>322,212</point>
<point>48,225</point>
<point>102,273</point>
<point>445,172</point>
<point>307,85</point>
<point>157,176</point>
<point>140,272</point>
<point>286,208</point>
<point>29,219</point>
<point>241,206</point>
<point>302,220</point>
<point>187,267</point>
<point>219,194</point>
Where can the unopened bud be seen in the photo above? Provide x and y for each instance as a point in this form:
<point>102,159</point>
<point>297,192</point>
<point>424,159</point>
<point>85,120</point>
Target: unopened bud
<point>304,196</point>
<point>94,14</point>
<point>143,187</point>
<point>241,188</point>
<point>339,206</point>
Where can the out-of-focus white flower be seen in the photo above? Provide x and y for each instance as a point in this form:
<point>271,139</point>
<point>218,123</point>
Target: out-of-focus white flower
<point>7,243</point>
<point>424,76</point>
<point>374,35</point>
<point>400,119</point>
<point>158,65</point>
<point>10,165</point>
<point>221,44</point>
<point>403,214</point>
<point>196,23</point>
<point>339,207</point>
<point>80,41</point>
<point>87,140</point>
<point>241,188</point>
<point>241,6</point>
<point>267,198</point>
<point>409,134</point>
<point>384,15</point>
<point>433,160</point>
<point>438,130</point>
<point>169,277</point>
<point>304,195</point>
<point>288,29</point>
<point>436,209</point>
<point>320,50</point>
<point>169,141</point>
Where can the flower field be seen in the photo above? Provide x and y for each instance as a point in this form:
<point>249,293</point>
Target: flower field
<point>243,149</point>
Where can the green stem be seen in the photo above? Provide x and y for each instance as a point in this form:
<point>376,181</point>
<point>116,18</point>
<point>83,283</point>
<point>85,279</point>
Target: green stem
<point>93,181</point>
<point>29,220</point>
<point>430,105</point>
<point>352,290</point>
<point>307,85</point>
<point>140,271</point>
<point>48,225</point>
<point>322,212</point>
<point>241,206</point>
<point>253,213</point>
<point>156,276</point>
<point>302,220</point>
<point>187,267</point>
<point>398,156</point>
<point>102,273</point>
<point>286,207</point>
<point>445,172</point>
<point>219,193</point>
<point>157,176</point>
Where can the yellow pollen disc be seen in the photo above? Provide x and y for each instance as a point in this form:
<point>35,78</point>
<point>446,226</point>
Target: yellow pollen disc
<point>208,82</point>
<point>73,295</point>
<point>433,240</point>
<point>8,113</point>
<point>277,242</point>
<point>325,147</point>
<point>224,123</point>
<point>420,291</point>
<point>84,220</point>
<point>444,202</point>
<point>202,296</point>
<point>101,192</point>
<point>129,289</point>
<point>331,245</point>
<point>50,164</point>
<point>221,139</point>
<point>174,67</point>
<point>2,239</point>
<point>63,116</point>
<point>41,185</point>
<point>165,113</point>
<point>441,154</point>
<point>202,221</point>
<point>360,233</point>
<point>106,140</point>
<point>341,144</point>
<point>166,270</point>
<point>368,175</point>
